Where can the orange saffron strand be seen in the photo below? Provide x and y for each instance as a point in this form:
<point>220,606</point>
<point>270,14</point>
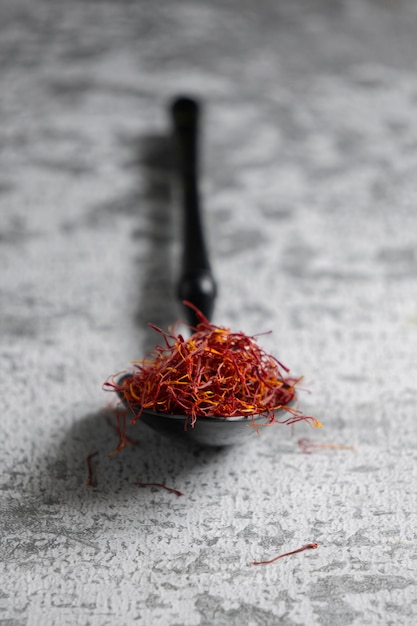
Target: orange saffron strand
<point>130,440</point>
<point>306,445</point>
<point>91,481</point>
<point>309,546</point>
<point>160,485</point>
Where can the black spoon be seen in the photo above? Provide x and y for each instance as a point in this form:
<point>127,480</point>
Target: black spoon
<point>196,283</point>
<point>197,286</point>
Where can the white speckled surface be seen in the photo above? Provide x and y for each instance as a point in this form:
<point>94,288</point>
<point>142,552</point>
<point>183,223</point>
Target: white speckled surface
<point>310,154</point>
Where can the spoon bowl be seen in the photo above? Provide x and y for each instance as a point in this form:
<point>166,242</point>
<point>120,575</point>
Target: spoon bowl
<point>207,431</point>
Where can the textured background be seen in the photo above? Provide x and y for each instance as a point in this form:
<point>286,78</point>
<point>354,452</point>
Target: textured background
<point>310,190</point>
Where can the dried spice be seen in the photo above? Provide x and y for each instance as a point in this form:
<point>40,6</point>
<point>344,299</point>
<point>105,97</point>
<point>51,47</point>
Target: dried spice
<point>161,486</point>
<point>91,481</point>
<point>306,446</point>
<point>309,546</point>
<point>213,373</point>
<point>119,429</point>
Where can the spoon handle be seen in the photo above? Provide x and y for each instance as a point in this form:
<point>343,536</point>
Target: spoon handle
<point>196,283</point>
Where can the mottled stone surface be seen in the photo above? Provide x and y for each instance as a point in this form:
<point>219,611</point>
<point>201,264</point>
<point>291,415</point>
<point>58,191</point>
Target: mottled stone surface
<point>310,192</point>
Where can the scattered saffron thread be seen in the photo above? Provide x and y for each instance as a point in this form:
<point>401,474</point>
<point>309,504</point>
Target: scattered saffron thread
<point>160,485</point>
<point>91,481</point>
<point>306,446</point>
<point>129,440</point>
<point>309,546</point>
<point>215,372</point>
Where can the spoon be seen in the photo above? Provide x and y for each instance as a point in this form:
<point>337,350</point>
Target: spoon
<point>196,283</point>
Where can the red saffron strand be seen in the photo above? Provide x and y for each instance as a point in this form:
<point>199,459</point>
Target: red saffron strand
<point>120,428</point>
<point>160,485</point>
<point>309,546</point>
<point>91,481</point>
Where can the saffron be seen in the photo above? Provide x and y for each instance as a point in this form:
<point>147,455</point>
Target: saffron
<point>309,546</point>
<point>123,438</point>
<point>213,373</point>
<point>161,486</point>
<point>306,446</point>
<point>91,481</point>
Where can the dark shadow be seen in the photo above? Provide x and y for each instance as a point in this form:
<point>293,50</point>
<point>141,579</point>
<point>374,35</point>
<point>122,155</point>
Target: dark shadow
<point>149,458</point>
<point>55,499</point>
<point>157,301</point>
<point>155,240</point>
<point>41,506</point>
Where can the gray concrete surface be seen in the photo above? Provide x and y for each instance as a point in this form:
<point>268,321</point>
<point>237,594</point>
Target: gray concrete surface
<point>310,190</point>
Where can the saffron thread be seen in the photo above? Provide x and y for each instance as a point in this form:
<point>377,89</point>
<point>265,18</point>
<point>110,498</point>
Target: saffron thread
<point>306,446</point>
<point>129,440</point>
<point>91,480</point>
<point>161,486</point>
<point>309,546</point>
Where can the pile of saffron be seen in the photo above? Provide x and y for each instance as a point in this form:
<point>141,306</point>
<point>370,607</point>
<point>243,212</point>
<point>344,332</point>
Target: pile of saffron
<point>213,373</point>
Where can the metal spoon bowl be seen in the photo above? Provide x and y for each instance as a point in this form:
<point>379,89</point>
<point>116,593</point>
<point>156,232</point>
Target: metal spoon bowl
<point>207,431</point>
